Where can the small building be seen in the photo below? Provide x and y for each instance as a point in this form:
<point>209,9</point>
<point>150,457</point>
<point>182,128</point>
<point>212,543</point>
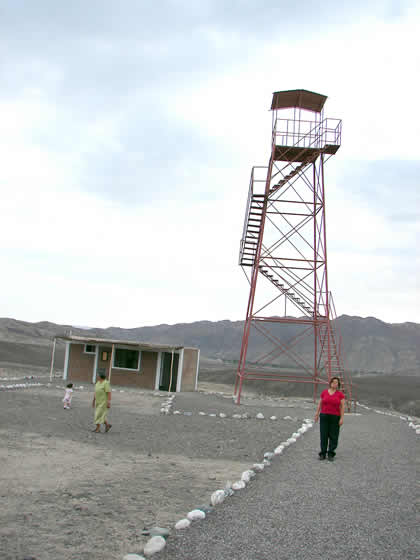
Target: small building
<point>128,363</point>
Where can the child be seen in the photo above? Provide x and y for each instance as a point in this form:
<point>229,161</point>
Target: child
<point>67,396</point>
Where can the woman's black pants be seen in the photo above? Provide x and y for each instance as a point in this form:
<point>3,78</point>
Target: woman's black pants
<point>329,429</point>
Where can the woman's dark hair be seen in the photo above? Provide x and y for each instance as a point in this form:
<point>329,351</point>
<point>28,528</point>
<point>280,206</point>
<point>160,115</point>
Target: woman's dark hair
<point>102,375</point>
<point>69,385</point>
<point>338,379</point>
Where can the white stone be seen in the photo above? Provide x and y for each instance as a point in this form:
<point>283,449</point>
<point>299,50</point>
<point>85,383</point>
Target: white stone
<point>247,475</point>
<point>292,440</point>
<point>296,434</point>
<point>237,416</point>
<point>273,417</point>
<point>182,524</point>
<point>212,414</point>
<point>417,431</point>
<point>217,497</point>
<point>260,416</point>
<point>133,557</point>
<point>222,415</point>
<point>196,514</point>
<point>177,412</point>
<point>239,485</point>
<point>202,414</point>
<point>278,450</point>
<point>287,418</point>
<point>153,545</point>
<point>268,455</point>
<point>285,443</point>
<point>258,467</point>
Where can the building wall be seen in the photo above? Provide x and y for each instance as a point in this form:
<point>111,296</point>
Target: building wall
<point>145,378</point>
<point>81,367</point>
<point>189,369</point>
<point>80,364</point>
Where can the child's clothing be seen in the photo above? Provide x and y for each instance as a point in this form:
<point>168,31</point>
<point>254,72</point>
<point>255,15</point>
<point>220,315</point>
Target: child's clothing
<point>67,397</point>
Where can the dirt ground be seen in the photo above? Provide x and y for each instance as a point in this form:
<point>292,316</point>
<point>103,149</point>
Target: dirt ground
<point>75,495</point>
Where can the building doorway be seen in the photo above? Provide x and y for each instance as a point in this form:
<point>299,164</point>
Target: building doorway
<point>169,372</point>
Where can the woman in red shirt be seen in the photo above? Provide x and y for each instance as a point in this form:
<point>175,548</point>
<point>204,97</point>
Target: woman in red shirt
<point>330,412</point>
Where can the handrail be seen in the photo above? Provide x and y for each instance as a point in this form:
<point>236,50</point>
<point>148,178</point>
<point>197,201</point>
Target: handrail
<point>248,206</point>
<point>306,134</point>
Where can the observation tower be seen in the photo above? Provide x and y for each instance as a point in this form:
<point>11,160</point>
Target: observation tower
<point>283,252</point>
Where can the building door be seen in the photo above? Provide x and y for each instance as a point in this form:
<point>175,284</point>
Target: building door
<point>169,372</point>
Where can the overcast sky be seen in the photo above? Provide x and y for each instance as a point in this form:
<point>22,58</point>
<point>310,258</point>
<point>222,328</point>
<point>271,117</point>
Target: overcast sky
<point>128,133</point>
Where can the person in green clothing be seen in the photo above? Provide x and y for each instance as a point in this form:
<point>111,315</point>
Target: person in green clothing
<point>101,403</point>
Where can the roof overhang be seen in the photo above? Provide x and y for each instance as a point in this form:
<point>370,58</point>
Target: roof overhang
<point>300,98</point>
<point>108,341</point>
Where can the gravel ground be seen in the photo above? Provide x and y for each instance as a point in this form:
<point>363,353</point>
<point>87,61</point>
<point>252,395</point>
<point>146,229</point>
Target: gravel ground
<point>361,507</point>
<point>75,495</point>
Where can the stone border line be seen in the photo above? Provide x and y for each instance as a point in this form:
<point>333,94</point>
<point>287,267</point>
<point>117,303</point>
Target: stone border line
<point>245,416</point>
<point>20,386</point>
<point>159,535</point>
<point>408,419</point>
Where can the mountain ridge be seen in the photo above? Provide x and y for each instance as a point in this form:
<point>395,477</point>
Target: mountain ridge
<point>370,345</point>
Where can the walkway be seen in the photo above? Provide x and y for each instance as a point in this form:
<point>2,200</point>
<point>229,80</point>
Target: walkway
<point>361,507</point>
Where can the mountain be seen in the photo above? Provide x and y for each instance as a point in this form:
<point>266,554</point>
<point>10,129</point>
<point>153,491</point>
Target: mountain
<point>369,345</point>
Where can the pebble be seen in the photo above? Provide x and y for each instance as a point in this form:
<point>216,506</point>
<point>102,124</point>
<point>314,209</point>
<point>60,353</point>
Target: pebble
<point>196,514</point>
<point>159,531</point>
<point>153,545</point>
<point>260,416</point>
<point>217,497</point>
<point>182,524</point>
<point>206,509</point>
<point>133,557</point>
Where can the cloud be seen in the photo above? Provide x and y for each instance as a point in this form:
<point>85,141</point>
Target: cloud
<point>129,133</point>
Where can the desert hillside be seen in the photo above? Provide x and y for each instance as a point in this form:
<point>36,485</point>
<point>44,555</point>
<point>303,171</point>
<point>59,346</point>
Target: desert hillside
<point>370,345</point>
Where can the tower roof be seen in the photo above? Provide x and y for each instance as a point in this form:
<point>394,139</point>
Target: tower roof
<point>301,98</point>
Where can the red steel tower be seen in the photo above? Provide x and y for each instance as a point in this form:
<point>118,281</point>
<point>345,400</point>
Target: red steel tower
<point>283,252</point>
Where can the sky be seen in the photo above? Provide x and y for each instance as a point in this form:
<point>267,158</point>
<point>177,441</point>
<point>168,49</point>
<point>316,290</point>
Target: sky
<point>129,130</point>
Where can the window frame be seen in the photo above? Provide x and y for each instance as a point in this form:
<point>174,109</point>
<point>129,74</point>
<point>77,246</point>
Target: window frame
<point>89,353</point>
<point>137,369</point>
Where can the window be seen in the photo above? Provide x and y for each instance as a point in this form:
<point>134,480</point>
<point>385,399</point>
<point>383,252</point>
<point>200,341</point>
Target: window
<point>90,349</point>
<point>126,359</point>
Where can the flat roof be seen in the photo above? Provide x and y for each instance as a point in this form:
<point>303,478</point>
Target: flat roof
<point>300,98</point>
<point>137,344</point>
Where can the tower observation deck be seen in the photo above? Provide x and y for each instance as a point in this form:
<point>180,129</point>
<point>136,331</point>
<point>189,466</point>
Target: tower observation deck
<point>284,255</point>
